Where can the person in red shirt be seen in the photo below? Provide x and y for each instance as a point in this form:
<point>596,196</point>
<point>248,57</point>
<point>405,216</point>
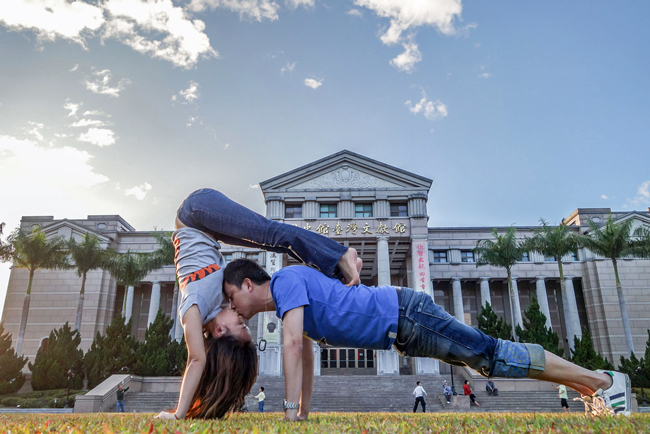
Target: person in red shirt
<point>468,391</point>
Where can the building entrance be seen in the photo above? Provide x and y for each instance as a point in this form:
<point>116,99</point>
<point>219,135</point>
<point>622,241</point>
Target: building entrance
<point>347,358</point>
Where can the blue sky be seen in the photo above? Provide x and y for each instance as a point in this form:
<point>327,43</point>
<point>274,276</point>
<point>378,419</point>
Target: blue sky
<point>516,110</point>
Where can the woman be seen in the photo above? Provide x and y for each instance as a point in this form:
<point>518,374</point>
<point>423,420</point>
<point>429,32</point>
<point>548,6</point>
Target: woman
<point>468,391</point>
<point>227,356</point>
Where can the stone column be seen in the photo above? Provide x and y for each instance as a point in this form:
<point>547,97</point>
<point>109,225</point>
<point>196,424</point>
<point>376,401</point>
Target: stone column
<point>542,299</point>
<point>383,261</point>
<point>571,317</point>
<point>128,304</point>
<point>387,360</point>
<point>274,207</point>
<point>154,304</point>
<point>178,332</point>
<point>176,323</point>
<point>459,312</point>
<point>516,307</point>
<point>485,291</point>
<point>317,351</point>
<point>422,282</point>
<point>271,359</point>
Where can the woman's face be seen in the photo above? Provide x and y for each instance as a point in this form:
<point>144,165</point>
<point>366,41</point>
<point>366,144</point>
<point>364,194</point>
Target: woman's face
<point>233,324</point>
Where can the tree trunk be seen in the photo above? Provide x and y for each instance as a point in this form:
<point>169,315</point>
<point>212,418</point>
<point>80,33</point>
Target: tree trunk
<point>80,305</point>
<point>512,303</point>
<point>23,318</point>
<point>624,317</point>
<point>568,322</point>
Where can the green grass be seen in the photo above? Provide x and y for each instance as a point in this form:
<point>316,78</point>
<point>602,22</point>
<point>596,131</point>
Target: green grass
<point>364,423</point>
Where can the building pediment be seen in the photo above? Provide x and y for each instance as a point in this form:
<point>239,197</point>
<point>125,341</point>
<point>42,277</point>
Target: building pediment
<point>67,229</point>
<point>346,170</point>
<point>639,220</point>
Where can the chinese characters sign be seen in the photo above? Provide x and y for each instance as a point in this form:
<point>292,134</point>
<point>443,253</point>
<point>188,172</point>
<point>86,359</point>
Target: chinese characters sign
<point>395,228</point>
<point>421,275</point>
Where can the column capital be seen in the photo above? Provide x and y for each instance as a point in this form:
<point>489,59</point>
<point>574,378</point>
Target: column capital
<point>569,277</point>
<point>456,279</point>
<point>155,282</point>
<point>514,278</point>
<point>485,279</point>
<point>419,238</point>
<point>540,278</point>
<point>383,237</point>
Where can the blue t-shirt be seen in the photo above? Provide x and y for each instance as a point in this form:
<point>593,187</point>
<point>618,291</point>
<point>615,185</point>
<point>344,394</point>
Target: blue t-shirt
<point>357,317</point>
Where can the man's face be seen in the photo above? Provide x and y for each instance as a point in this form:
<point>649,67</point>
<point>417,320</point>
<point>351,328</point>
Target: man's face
<point>240,298</point>
<point>229,322</point>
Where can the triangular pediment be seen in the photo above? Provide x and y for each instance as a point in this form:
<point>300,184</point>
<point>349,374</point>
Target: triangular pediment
<point>343,171</point>
<point>67,229</point>
<point>639,220</point>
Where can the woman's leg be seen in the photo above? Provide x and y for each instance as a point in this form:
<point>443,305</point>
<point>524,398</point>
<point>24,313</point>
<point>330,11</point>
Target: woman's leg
<point>212,212</point>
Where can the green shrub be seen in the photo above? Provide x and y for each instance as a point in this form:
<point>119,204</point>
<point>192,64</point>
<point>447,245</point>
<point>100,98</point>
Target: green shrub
<point>58,364</point>
<point>11,365</point>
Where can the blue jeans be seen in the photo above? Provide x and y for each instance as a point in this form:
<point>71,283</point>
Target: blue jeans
<point>427,330</point>
<point>260,406</point>
<point>210,211</point>
<point>119,405</point>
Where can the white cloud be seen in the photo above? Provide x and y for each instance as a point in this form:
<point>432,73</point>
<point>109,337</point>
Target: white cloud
<point>253,9</point>
<point>604,196</point>
<point>226,146</point>
<point>642,197</point>
<point>74,68</point>
<point>87,123</point>
<point>296,3</point>
<point>154,27</point>
<point>406,61</point>
<point>314,84</point>
<point>254,187</point>
<point>288,67</point>
<point>95,113</point>
<point>355,13</point>
<point>52,19</point>
<point>485,75</point>
<point>35,131</point>
<point>139,191</point>
<point>72,107</point>
<point>406,16</point>
<point>432,110</point>
<point>101,83</point>
<point>189,94</point>
<point>98,136</point>
<point>40,172</point>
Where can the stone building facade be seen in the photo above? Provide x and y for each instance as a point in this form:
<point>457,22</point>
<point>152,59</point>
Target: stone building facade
<point>380,210</point>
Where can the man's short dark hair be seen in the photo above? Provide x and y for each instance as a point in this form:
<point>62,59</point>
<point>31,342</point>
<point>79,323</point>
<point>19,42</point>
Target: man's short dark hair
<point>417,383</point>
<point>240,269</point>
<point>262,388</point>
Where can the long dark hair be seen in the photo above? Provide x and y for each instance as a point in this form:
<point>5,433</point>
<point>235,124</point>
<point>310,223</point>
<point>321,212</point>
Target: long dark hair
<point>229,374</point>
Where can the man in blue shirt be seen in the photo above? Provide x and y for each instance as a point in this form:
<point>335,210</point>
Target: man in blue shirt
<point>314,307</point>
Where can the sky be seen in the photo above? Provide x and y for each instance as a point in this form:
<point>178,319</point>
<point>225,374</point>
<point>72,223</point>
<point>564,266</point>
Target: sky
<point>516,110</point>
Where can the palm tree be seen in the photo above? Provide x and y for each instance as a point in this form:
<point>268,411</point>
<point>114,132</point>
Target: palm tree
<point>87,255</point>
<point>128,269</point>
<point>158,259</point>
<point>615,241</point>
<point>505,251</point>
<point>558,242</point>
<point>33,252</point>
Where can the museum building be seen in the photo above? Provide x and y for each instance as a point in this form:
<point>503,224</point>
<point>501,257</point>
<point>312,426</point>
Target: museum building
<point>381,211</point>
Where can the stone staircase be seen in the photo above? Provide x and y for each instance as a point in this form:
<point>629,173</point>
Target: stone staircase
<point>364,393</point>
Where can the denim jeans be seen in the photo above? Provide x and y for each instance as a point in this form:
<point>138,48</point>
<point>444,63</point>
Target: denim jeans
<point>260,406</point>
<point>212,212</point>
<point>420,399</point>
<point>119,405</point>
<point>427,330</point>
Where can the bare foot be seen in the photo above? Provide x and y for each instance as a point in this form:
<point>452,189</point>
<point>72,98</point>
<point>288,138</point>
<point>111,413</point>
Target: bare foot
<point>350,265</point>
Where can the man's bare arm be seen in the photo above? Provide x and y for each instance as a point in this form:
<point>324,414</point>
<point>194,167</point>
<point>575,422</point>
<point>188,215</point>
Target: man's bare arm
<point>307,378</point>
<point>193,329</point>
<point>292,354</point>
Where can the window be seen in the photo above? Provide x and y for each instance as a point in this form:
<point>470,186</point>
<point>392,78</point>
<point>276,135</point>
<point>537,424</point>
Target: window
<point>525,257</point>
<point>466,256</point>
<point>363,210</point>
<point>398,210</point>
<point>440,256</point>
<point>549,258</point>
<point>574,256</point>
<point>293,212</point>
<point>227,258</point>
<point>328,211</point>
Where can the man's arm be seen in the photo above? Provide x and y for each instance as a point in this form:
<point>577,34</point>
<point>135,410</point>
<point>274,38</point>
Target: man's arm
<point>193,329</point>
<point>292,354</point>
<point>307,378</point>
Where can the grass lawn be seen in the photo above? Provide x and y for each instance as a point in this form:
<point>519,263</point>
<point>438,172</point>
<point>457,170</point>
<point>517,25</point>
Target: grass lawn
<point>365,423</point>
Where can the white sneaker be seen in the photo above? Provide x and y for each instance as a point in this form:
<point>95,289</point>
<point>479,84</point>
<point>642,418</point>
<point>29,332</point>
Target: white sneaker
<point>617,400</point>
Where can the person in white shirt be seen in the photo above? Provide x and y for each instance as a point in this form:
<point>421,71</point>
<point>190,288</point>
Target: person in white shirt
<point>419,393</point>
<point>260,400</point>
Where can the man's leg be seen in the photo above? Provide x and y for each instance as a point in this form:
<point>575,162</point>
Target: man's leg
<point>415,407</point>
<point>212,212</point>
<point>424,405</point>
<point>117,406</point>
